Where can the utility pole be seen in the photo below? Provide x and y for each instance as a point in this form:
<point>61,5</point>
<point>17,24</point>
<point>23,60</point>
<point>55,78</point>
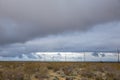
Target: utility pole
<point>65,57</point>
<point>83,50</point>
<point>84,56</point>
<point>118,55</point>
<point>44,57</point>
<point>52,58</point>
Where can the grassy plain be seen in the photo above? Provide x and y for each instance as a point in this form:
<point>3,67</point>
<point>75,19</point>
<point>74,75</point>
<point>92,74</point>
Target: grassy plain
<point>59,71</point>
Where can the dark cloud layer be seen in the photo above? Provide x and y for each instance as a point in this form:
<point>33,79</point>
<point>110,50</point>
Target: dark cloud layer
<point>23,20</point>
<point>104,37</point>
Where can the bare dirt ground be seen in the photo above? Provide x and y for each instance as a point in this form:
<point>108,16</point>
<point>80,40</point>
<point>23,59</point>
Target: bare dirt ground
<point>59,71</point>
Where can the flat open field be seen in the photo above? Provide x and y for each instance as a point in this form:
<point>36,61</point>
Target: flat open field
<point>59,71</point>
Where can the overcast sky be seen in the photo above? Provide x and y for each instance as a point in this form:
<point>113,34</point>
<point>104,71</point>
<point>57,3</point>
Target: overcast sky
<point>28,26</point>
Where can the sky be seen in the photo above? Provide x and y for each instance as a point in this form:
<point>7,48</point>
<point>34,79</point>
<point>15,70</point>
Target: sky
<point>64,56</point>
<point>28,26</point>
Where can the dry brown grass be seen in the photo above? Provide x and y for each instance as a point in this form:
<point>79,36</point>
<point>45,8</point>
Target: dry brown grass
<point>59,71</point>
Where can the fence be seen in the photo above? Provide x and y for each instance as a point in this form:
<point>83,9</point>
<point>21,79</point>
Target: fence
<point>67,56</point>
<point>80,56</point>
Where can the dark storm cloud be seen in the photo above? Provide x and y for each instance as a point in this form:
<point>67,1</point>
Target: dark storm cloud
<point>23,20</point>
<point>104,37</point>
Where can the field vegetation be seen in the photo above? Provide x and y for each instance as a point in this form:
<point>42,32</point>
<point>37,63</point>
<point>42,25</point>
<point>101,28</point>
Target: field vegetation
<point>59,71</point>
